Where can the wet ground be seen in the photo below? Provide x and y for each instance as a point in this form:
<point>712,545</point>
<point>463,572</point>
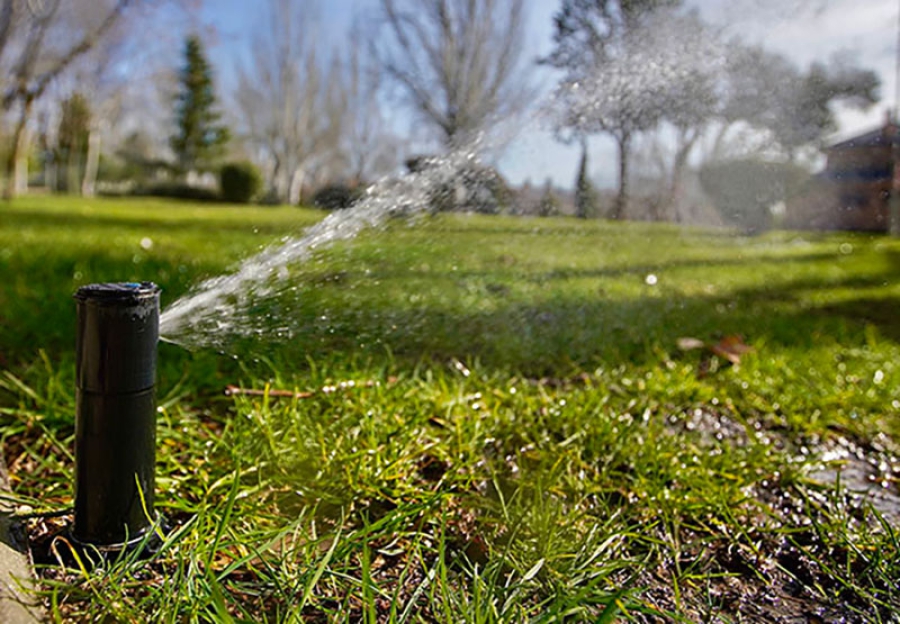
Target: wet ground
<point>790,566</point>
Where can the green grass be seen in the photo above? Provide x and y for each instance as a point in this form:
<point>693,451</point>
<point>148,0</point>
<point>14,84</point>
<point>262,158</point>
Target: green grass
<point>523,439</point>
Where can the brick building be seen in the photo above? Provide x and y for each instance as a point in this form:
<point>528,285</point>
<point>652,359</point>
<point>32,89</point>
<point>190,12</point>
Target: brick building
<point>853,191</point>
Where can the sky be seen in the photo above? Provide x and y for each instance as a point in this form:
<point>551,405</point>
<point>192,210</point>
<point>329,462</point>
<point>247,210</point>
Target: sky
<point>864,31</point>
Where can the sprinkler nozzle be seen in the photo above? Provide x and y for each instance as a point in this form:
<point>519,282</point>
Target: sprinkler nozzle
<point>115,422</point>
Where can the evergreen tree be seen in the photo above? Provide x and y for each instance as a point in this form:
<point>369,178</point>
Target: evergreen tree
<point>585,197</point>
<point>200,138</point>
<point>74,127</point>
<point>549,204</point>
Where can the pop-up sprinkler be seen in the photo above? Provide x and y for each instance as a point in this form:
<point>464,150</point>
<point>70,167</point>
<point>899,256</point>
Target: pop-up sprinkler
<point>115,423</point>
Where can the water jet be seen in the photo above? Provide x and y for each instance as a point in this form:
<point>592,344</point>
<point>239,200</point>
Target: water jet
<point>115,422</point>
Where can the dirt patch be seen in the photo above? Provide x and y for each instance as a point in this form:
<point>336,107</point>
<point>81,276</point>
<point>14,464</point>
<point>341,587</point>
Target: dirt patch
<point>867,472</point>
<point>789,575</point>
<point>787,566</point>
<point>711,427</point>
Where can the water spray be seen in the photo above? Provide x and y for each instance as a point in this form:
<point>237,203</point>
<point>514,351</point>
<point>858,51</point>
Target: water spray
<point>221,307</point>
<point>115,422</point>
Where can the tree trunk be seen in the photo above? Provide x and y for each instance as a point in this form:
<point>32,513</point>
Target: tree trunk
<point>71,175</point>
<point>21,166</point>
<point>92,163</point>
<point>295,191</point>
<point>621,201</point>
<point>673,201</point>
<point>719,141</point>
<point>275,179</point>
<point>50,175</point>
<point>16,169</point>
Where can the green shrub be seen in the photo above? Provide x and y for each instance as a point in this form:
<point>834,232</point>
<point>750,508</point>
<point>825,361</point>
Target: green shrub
<point>336,196</point>
<point>178,190</point>
<point>240,182</point>
<point>549,205</point>
<point>476,188</point>
<point>744,191</point>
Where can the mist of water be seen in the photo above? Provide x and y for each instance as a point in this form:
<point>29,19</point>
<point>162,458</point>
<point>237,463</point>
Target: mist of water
<point>220,309</point>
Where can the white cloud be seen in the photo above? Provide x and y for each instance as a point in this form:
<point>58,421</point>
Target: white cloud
<point>864,31</point>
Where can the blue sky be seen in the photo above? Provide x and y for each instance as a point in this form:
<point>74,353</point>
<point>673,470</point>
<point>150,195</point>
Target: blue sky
<point>804,30</point>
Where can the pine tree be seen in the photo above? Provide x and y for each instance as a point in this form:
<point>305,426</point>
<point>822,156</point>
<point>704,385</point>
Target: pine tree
<point>200,138</point>
<point>585,197</point>
<point>74,127</point>
<point>549,203</point>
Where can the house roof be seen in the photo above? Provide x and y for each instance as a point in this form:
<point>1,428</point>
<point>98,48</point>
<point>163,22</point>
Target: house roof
<point>874,138</point>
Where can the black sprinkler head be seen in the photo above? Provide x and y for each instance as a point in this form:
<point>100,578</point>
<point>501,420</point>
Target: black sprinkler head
<point>115,422</point>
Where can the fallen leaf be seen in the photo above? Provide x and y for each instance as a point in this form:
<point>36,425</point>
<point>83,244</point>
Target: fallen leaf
<point>731,348</point>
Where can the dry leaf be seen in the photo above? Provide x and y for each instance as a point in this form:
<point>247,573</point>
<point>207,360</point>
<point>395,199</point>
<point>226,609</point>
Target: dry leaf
<point>731,348</point>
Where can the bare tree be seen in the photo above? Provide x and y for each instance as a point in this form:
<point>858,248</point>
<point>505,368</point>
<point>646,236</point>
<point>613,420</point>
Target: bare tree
<point>281,98</point>
<point>457,63</point>
<point>695,59</point>
<point>98,76</point>
<point>331,160</point>
<point>370,148</point>
<point>631,67</point>
<point>39,40</point>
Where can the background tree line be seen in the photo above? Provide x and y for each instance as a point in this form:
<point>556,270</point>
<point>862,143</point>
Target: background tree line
<point>304,113</point>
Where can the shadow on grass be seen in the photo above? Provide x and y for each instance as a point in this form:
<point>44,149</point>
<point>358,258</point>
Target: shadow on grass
<point>882,313</point>
<point>544,333</point>
<point>564,334</point>
<point>564,329</point>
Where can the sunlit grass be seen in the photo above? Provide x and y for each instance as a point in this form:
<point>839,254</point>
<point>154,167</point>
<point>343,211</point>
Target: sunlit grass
<point>522,439</point>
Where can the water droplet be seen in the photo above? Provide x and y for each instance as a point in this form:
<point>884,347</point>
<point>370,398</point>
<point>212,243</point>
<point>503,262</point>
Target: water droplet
<point>264,276</point>
<point>650,280</point>
<point>846,248</point>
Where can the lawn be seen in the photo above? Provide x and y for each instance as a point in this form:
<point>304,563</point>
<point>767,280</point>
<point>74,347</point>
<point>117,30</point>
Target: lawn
<point>479,419</point>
